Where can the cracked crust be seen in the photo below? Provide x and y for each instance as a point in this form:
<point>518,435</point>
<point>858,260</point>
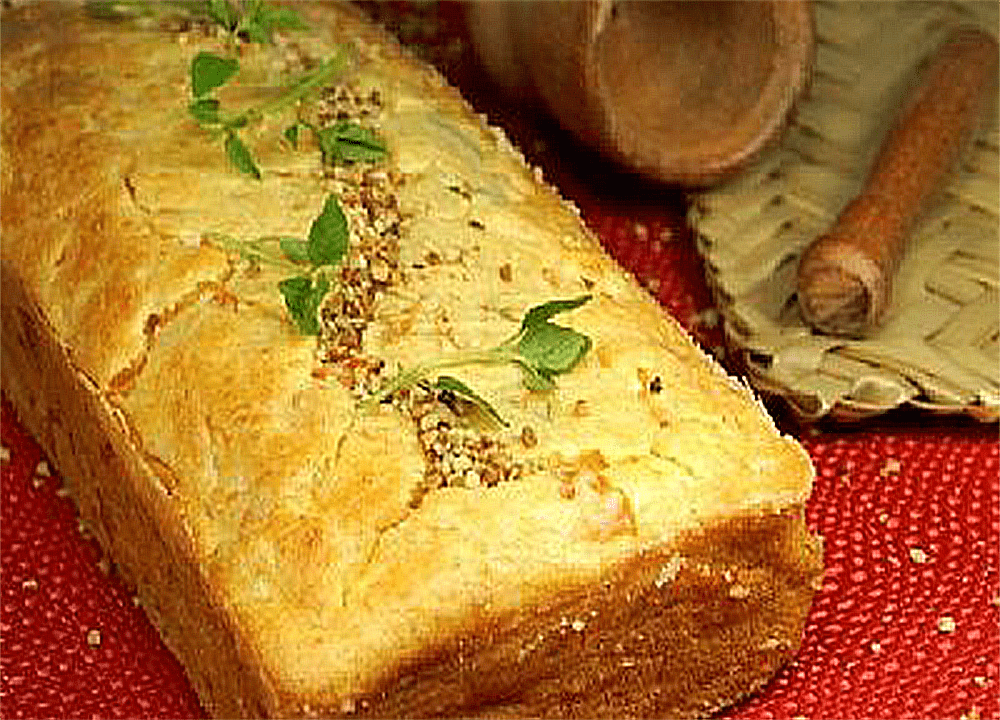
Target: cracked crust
<point>649,556</point>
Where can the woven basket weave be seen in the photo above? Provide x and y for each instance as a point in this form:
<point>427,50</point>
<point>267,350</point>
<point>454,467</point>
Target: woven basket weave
<point>938,348</point>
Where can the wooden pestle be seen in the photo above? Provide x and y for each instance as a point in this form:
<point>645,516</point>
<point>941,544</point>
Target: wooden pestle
<point>845,276</point>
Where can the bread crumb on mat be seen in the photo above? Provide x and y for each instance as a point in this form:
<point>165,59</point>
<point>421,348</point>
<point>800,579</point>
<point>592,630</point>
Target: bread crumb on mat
<point>892,467</point>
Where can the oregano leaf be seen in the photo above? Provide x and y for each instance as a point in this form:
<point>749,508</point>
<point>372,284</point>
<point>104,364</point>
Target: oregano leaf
<point>292,134</point>
<point>223,13</point>
<point>256,33</point>
<point>456,386</point>
<point>239,155</point>
<point>349,141</point>
<point>209,71</point>
<point>262,20</point>
<point>235,123</point>
<point>359,143</point>
<point>552,349</point>
<point>328,235</point>
<point>303,298</point>
<point>547,349</point>
<point>205,111</point>
<point>544,312</point>
<point>541,350</point>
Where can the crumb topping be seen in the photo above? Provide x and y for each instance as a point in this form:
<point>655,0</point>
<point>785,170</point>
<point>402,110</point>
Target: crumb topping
<point>348,102</point>
<point>456,452</point>
<point>368,198</point>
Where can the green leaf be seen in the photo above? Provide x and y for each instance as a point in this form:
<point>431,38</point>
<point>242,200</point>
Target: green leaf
<point>303,298</point>
<point>205,111</point>
<point>240,121</point>
<point>256,33</point>
<point>292,134</point>
<point>456,386</point>
<point>223,13</point>
<point>547,349</point>
<point>209,71</point>
<point>328,236</point>
<point>295,249</point>
<point>327,140</point>
<point>261,20</point>
<point>359,143</point>
<point>240,156</point>
<point>253,25</point>
<point>553,349</point>
<point>347,141</point>
<point>543,313</point>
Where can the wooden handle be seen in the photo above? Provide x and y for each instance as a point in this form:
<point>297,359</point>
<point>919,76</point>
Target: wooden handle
<point>845,276</point>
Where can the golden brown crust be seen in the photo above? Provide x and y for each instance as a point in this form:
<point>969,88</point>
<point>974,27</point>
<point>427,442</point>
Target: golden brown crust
<point>124,497</point>
<point>677,634</point>
<point>273,529</point>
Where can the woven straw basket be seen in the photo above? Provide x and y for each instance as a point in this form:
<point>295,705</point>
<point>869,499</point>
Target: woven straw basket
<point>938,349</point>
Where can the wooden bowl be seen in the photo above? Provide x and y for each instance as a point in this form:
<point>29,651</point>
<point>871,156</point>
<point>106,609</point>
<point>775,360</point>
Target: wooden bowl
<point>683,92</point>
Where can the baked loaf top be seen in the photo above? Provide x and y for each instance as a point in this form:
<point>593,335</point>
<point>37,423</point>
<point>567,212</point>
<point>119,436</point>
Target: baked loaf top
<point>344,538</point>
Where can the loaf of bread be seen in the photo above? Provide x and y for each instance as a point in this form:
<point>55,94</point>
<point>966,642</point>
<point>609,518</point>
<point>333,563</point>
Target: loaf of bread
<point>370,480</point>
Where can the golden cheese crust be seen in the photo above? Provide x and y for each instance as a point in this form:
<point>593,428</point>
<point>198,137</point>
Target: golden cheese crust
<point>631,543</point>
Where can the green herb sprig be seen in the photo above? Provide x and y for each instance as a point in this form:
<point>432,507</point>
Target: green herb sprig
<point>256,22</point>
<point>253,19</point>
<point>210,72</point>
<point>327,245</point>
<point>313,260</point>
<point>344,141</point>
<point>540,348</point>
<point>247,20</point>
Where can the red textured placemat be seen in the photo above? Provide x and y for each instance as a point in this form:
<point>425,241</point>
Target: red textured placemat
<point>905,625</point>
<point>72,643</point>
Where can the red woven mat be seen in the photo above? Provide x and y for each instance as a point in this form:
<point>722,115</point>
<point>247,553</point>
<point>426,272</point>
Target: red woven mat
<point>905,625</point>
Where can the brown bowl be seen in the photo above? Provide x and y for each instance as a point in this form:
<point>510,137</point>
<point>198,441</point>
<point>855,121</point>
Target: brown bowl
<point>684,92</point>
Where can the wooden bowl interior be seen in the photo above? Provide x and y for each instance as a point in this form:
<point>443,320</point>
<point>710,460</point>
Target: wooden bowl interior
<point>725,75</point>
